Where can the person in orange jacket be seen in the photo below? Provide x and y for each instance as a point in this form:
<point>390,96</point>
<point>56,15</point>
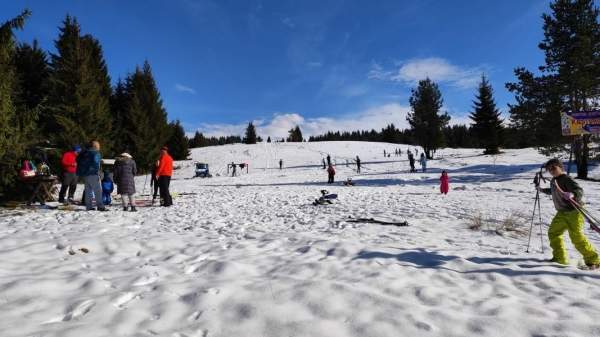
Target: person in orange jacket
<point>163,174</point>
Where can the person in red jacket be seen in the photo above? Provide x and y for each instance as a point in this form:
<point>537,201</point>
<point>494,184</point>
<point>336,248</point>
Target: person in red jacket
<point>69,175</point>
<point>163,174</point>
<point>444,183</point>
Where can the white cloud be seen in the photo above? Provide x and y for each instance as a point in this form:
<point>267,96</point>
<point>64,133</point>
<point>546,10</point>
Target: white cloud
<point>184,88</point>
<point>438,69</point>
<point>278,127</point>
<point>288,22</point>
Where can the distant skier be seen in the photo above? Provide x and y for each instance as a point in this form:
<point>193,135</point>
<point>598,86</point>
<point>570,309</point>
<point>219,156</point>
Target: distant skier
<point>411,161</point>
<point>384,154</point>
<point>563,188</point>
<point>324,165</point>
<point>357,164</point>
<point>423,162</point>
<point>328,160</point>
<point>444,182</point>
<point>107,188</point>
<point>233,169</point>
<point>330,174</point>
<point>280,164</point>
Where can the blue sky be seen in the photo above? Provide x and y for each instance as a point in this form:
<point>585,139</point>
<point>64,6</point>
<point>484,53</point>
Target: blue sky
<point>327,64</point>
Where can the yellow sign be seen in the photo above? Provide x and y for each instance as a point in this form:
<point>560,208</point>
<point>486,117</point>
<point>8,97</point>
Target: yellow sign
<point>580,122</point>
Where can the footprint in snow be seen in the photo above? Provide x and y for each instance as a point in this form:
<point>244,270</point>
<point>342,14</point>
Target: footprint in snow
<point>124,299</point>
<point>73,312</point>
<point>145,280</point>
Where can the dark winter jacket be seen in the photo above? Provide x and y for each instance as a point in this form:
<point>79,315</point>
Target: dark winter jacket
<point>125,171</point>
<point>567,184</point>
<point>107,185</point>
<point>88,163</point>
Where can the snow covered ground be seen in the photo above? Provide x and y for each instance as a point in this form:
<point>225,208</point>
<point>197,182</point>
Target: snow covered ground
<point>250,256</point>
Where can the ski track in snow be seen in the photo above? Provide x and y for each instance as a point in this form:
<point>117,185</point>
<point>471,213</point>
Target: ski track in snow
<point>250,255</point>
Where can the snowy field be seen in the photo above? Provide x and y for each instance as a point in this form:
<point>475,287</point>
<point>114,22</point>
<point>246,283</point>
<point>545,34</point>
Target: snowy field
<point>250,256</point>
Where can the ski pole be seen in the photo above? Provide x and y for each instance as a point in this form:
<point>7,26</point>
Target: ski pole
<point>145,181</point>
<point>594,223</point>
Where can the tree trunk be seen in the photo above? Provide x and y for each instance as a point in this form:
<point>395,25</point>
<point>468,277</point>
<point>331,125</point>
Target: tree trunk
<point>583,158</point>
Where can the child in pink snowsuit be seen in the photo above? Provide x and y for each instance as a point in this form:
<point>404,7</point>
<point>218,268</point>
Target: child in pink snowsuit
<point>444,182</point>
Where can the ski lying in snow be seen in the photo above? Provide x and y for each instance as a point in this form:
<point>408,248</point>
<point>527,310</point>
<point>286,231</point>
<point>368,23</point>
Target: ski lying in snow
<point>379,221</point>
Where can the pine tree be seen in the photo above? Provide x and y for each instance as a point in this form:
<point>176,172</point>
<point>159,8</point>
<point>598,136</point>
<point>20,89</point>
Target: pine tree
<point>15,124</point>
<point>79,89</point>
<point>33,71</point>
<point>425,119</point>
<point>145,127</point>
<point>570,78</point>
<point>295,135</point>
<point>487,125</point>
<point>118,107</point>
<point>250,134</point>
<point>178,141</point>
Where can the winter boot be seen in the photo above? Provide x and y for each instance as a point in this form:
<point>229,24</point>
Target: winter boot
<point>133,209</point>
<point>124,208</point>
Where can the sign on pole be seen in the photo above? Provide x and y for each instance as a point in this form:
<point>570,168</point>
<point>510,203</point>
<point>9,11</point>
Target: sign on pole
<point>580,122</point>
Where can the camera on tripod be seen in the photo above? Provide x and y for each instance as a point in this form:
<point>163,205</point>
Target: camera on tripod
<point>539,177</point>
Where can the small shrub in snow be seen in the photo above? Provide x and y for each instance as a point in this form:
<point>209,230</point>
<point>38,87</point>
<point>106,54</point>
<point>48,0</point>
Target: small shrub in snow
<point>476,223</point>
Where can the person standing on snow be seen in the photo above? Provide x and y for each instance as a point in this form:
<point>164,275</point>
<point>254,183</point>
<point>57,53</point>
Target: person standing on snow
<point>154,182</point>
<point>328,160</point>
<point>324,166</point>
<point>69,176</point>
<point>330,174</point>
<point>233,169</point>
<point>423,162</point>
<point>357,164</point>
<point>88,167</point>
<point>125,171</point>
<point>563,188</point>
<point>411,161</point>
<point>163,175</point>
<point>444,182</point>
<point>280,164</point>
<point>107,188</point>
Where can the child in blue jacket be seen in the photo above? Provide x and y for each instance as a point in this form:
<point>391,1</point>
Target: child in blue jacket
<point>107,188</point>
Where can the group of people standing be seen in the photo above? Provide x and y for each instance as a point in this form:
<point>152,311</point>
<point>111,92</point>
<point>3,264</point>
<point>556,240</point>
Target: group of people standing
<point>422,161</point>
<point>85,165</point>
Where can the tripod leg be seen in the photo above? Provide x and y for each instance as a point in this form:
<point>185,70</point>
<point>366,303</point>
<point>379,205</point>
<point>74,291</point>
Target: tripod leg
<point>532,220</point>
<point>541,225</point>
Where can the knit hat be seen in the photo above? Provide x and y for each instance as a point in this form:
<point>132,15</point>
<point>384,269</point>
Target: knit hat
<point>126,155</point>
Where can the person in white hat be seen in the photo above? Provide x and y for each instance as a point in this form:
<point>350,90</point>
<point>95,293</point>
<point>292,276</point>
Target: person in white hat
<point>124,176</point>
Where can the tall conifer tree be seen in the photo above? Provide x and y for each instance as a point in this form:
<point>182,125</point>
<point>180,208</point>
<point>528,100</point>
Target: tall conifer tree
<point>79,89</point>
<point>487,125</point>
<point>425,119</point>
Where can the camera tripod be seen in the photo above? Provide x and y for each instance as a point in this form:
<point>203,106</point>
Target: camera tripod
<point>537,206</point>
